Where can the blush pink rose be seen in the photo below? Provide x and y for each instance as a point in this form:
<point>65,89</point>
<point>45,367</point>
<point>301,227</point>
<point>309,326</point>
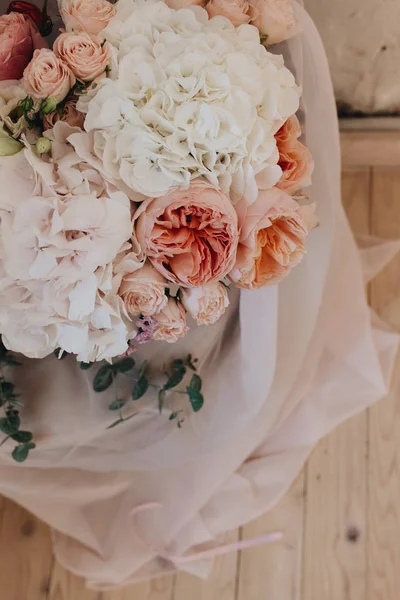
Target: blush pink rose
<point>274,19</point>
<point>177,4</point>
<point>171,323</point>
<point>190,235</point>
<point>19,38</point>
<point>69,115</point>
<point>91,16</point>
<point>206,304</point>
<point>47,75</point>
<point>272,239</point>
<point>234,10</point>
<point>86,56</point>
<point>143,291</point>
<point>295,159</point>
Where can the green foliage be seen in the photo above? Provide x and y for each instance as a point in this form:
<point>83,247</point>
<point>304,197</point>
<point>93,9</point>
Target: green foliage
<point>103,378</point>
<point>20,453</point>
<point>117,404</point>
<point>140,388</point>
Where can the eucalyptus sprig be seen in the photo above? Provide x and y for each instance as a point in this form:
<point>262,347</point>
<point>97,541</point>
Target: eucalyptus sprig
<point>10,423</point>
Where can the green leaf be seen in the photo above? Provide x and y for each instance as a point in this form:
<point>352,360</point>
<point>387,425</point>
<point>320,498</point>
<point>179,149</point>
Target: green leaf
<point>85,366</point>
<point>103,379</point>
<point>117,404</point>
<point>161,400</point>
<point>175,379</point>
<point>140,388</point>
<point>60,354</point>
<point>20,453</point>
<point>23,437</point>
<point>124,365</point>
<point>173,416</point>
<point>10,424</point>
<point>196,399</point>
<point>195,383</point>
<point>189,362</point>
<point>115,423</point>
<point>8,360</point>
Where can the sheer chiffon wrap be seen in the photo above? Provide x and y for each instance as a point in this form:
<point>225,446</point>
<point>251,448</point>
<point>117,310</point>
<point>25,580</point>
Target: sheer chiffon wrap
<point>284,366</point>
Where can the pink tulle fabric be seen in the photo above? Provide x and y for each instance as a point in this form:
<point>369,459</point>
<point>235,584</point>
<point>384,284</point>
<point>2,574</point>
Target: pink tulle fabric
<point>284,365</point>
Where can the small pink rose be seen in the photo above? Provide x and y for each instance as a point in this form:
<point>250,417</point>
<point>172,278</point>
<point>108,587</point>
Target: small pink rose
<point>234,10</point>
<point>47,75</point>
<point>91,16</point>
<point>273,18</point>
<point>295,159</point>
<point>177,4</point>
<point>206,304</point>
<point>19,38</point>
<point>69,115</point>
<point>143,291</point>
<point>272,239</point>
<point>86,56</point>
<point>190,235</point>
<point>171,323</point>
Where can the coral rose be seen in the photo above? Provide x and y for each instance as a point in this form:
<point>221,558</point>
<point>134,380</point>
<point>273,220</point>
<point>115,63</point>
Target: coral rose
<point>18,40</point>
<point>295,159</point>
<point>69,115</point>
<point>272,239</point>
<point>85,55</point>
<point>171,323</point>
<point>234,10</point>
<point>47,75</point>
<point>143,292</point>
<point>273,18</point>
<point>190,235</point>
<point>206,304</point>
<point>91,16</point>
<point>177,4</point>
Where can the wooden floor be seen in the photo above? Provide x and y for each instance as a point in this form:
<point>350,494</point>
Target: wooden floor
<point>341,516</point>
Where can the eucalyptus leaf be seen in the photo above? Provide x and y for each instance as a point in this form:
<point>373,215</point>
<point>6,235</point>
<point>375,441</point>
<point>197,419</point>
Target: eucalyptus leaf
<point>140,388</point>
<point>10,424</point>
<point>124,365</point>
<point>173,416</point>
<point>20,453</point>
<point>103,379</point>
<point>117,404</point>
<point>115,423</point>
<point>195,383</point>
<point>85,366</point>
<point>196,399</point>
<point>175,379</point>
<point>23,437</point>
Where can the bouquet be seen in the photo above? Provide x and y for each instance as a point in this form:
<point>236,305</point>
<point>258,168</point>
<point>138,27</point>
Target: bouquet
<point>150,161</point>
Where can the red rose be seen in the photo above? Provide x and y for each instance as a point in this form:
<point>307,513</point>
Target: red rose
<point>19,38</point>
<point>27,9</point>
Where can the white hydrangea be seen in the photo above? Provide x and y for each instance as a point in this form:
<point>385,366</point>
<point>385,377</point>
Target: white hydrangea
<point>188,97</point>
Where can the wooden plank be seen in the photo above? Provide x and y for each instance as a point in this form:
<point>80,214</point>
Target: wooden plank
<point>384,421</point>
<point>25,555</point>
<point>221,583</point>
<point>66,586</point>
<point>336,506</point>
<point>273,571</point>
<point>370,148</point>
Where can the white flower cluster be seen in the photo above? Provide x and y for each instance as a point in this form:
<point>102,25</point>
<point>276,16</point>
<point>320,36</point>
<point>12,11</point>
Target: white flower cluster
<point>188,96</point>
<point>61,226</point>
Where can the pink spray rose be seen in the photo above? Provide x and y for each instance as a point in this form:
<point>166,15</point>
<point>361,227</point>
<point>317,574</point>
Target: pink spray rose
<point>272,239</point>
<point>69,115</point>
<point>19,38</point>
<point>171,323</point>
<point>295,159</point>
<point>86,56</point>
<point>143,291</point>
<point>234,10</point>
<point>190,235</point>
<point>91,16</point>
<point>47,75</point>
<point>273,18</point>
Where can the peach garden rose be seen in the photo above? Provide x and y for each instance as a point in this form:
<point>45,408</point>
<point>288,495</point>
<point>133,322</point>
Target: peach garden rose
<point>190,235</point>
<point>295,159</point>
<point>272,239</point>
<point>143,292</point>
<point>171,323</point>
<point>91,16</point>
<point>274,19</point>
<point>47,75</point>
<point>234,10</point>
<point>86,56</point>
<point>206,304</point>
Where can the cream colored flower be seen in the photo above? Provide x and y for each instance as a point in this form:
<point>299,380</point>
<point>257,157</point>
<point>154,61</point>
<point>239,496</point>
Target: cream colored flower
<point>171,323</point>
<point>234,10</point>
<point>143,292</point>
<point>206,304</point>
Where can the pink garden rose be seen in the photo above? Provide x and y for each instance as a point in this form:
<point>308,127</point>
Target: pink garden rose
<point>206,304</point>
<point>177,4</point>
<point>91,16</point>
<point>272,239</point>
<point>190,235</point>
<point>273,18</point>
<point>86,56</point>
<point>295,159</point>
<point>19,38</point>
<point>143,291</point>
<point>234,10</point>
<point>171,323</point>
<point>47,75</point>
<point>69,115</point>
